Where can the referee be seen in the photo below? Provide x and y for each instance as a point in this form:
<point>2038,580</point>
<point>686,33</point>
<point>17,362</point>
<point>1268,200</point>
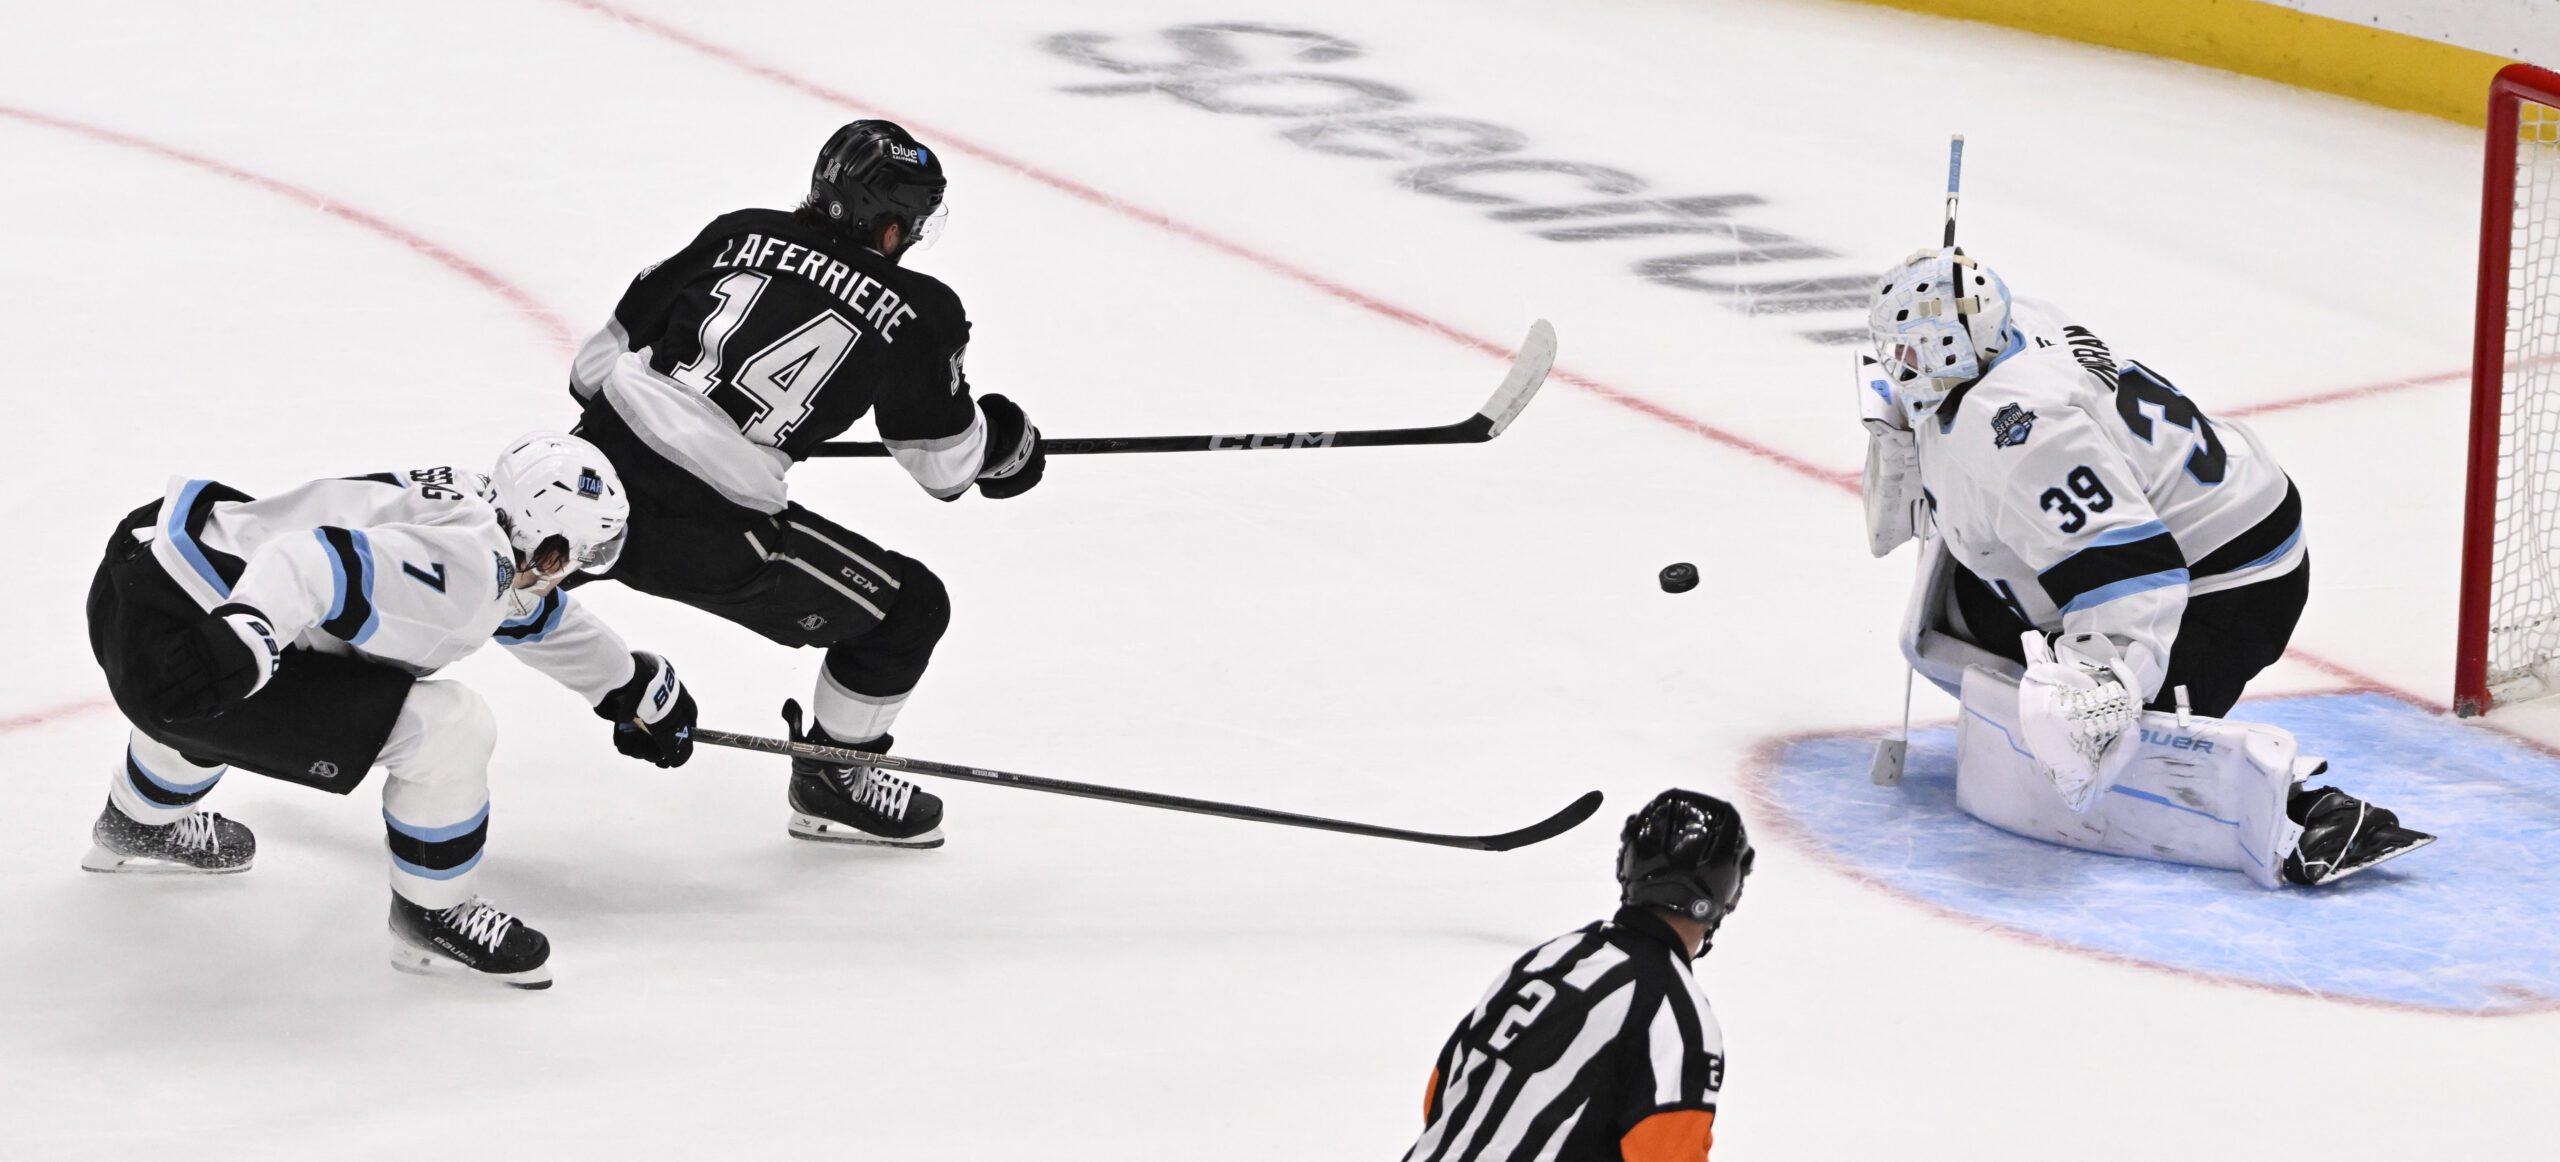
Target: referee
<point>1597,1045</point>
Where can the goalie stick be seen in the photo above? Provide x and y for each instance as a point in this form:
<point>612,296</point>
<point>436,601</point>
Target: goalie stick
<point>1544,829</point>
<point>1885,768</point>
<point>1528,370</point>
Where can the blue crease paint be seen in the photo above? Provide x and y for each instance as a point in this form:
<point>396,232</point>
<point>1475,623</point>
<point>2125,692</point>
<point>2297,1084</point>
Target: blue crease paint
<point>2470,924</point>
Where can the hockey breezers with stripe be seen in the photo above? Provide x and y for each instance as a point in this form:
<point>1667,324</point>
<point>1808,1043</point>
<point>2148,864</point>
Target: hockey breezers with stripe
<point>1544,829</point>
<point>1528,371</point>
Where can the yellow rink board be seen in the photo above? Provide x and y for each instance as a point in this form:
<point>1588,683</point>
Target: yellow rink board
<point>2260,40</point>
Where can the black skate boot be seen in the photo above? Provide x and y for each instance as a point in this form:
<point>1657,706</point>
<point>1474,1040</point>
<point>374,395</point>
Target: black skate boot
<point>203,843</point>
<point>470,939</point>
<point>856,802</point>
<point>2342,835</point>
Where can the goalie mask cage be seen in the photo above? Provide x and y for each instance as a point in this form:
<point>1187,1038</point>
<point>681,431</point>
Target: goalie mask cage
<point>2509,631</point>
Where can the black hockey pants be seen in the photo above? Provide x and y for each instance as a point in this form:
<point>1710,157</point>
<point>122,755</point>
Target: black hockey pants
<point>797,577</point>
<point>2224,639</point>
<point>321,721</point>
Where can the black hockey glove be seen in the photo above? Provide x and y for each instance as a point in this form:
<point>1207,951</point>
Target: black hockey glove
<point>211,666</point>
<point>652,714</point>
<point>1014,459</point>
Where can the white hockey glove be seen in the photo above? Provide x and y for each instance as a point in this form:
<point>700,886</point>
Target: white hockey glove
<point>2077,705</point>
<point>1891,484</point>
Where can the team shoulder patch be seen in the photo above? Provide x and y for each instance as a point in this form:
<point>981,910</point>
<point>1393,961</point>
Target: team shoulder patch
<point>506,573</point>
<point>2010,426</point>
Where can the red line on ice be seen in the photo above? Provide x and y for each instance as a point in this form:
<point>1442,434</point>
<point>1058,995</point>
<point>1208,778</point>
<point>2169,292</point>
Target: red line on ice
<point>524,303</point>
<point>2344,394</point>
<point>550,324</point>
<point>52,714</point>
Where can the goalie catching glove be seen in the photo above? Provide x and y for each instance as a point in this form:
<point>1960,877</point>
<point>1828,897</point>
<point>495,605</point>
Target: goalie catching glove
<point>652,714</point>
<point>2076,704</point>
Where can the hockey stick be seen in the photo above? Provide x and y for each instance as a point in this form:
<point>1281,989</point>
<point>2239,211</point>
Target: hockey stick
<point>1544,829</point>
<point>1885,769</point>
<point>1528,371</point>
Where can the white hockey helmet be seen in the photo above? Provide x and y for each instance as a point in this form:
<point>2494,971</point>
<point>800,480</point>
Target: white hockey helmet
<point>550,485</point>
<point>1938,320</point>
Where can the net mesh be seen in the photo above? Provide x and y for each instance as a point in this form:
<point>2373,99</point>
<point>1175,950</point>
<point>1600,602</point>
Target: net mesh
<point>2524,612</point>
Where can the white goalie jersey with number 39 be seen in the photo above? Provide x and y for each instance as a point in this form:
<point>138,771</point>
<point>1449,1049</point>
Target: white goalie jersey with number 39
<point>2093,496</point>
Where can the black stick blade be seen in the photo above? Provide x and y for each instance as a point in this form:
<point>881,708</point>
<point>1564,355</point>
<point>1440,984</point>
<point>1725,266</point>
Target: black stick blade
<point>1547,828</point>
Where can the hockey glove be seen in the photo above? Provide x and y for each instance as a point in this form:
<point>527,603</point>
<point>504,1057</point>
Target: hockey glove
<point>1891,483</point>
<point>652,714</point>
<point>1891,488</point>
<point>1014,459</point>
<point>213,665</point>
<point>2077,706</point>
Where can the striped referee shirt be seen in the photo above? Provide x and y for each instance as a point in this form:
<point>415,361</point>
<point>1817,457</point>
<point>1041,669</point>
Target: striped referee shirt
<point>1595,1045</point>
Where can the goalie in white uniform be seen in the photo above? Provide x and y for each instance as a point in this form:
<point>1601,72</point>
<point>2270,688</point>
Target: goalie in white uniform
<point>292,635</point>
<point>2100,546</point>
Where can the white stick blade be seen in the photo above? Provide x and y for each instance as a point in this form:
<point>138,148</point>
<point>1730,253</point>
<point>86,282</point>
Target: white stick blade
<point>1528,370</point>
<point>1886,769</point>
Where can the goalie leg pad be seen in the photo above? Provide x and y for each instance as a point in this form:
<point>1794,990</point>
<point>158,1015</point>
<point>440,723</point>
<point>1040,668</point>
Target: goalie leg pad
<point>2210,793</point>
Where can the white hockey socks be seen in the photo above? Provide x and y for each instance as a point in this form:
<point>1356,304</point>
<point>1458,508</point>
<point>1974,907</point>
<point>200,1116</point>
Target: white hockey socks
<point>435,805</point>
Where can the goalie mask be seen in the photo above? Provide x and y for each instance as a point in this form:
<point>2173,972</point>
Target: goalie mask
<point>562,505</point>
<point>1938,320</point>
<point>1685,852</point>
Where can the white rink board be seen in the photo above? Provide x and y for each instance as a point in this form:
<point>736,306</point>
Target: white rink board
<point>1458,638</point>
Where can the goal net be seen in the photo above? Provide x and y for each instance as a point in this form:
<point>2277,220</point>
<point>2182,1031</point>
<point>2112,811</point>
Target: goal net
<point>2510,619</point>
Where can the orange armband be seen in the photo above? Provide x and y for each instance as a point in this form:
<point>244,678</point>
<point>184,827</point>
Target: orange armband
<point>1671,1136</point>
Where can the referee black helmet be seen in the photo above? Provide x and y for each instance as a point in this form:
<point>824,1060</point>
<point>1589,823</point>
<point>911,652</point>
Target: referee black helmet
<point>1686,852</point>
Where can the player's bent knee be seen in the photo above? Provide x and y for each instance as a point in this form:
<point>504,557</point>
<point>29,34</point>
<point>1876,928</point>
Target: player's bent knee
<point>892,657</point>
<point>445,731</point>
<point>923,612</point>
<point>2203,791</point>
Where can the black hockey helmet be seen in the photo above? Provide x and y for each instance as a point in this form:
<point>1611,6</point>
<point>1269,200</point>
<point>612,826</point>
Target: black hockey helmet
<point>873,173</point>
<point>1686,852</point>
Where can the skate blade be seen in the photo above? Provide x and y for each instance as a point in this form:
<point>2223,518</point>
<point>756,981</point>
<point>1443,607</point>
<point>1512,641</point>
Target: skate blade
<point>813,828</point>
<point>2378,860</point>
<point>105,859</point>
<point>417,961</point>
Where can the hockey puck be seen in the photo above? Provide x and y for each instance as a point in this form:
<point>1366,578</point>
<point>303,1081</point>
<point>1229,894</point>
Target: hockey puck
<point>1679,577</point>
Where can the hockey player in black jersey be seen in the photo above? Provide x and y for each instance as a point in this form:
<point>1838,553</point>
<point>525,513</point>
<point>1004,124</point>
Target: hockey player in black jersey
<point>723,365</point>
<point>294,635</point>
<point>1599,1045</point>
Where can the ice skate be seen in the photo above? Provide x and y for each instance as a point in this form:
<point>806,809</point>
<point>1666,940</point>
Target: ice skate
<point>470,939</point>
<point>856,802</point>
<point>2343,835</point>
<point>202,843</point>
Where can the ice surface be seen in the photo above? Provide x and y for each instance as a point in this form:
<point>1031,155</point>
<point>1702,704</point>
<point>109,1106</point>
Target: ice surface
<point>2470,924</point>
<point>265,241</point>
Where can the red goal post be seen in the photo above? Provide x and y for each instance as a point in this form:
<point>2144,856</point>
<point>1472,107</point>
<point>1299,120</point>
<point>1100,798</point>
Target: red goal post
<point>2509,629</point>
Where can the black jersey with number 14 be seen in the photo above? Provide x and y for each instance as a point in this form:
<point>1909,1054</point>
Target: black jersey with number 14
<point>795,331</point>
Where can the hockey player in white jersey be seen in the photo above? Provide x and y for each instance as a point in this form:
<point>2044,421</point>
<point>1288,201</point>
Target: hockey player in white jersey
<point>294,635</point>
<point>2100,547</point>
